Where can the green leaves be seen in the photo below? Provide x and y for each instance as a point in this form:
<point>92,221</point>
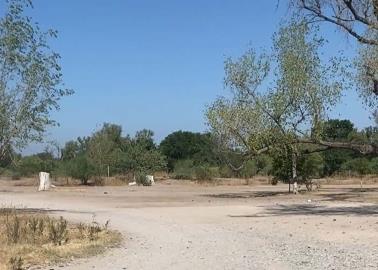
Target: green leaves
<point>31,82</point>
<point>277,98</point>
<point>367,74</point>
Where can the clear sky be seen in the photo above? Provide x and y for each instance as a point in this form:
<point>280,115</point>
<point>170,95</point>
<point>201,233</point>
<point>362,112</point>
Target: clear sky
<point>157,64</point>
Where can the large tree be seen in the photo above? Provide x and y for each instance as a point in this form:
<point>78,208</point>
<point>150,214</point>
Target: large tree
<point>280,101</point>
<point>30,79</point>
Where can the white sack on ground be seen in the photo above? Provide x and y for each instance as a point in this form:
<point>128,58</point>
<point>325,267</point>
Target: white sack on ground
<point>44,181</point>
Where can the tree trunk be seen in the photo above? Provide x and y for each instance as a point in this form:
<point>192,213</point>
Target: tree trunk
<point>294,170</point>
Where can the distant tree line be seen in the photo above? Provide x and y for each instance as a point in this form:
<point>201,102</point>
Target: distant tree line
<point>189,155</point>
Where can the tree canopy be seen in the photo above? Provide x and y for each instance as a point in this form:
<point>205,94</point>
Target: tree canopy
<point>359,19</point>
<point>287,110</point>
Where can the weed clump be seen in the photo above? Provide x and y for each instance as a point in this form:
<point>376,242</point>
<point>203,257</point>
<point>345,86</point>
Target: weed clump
<point>28,238</point>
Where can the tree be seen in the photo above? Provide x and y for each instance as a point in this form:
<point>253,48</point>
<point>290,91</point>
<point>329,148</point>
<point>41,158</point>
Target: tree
<point>104,148</point>
<point>182,145</point>
<point>30,79</point>
<point>287,113</point>
<point>140,156</point>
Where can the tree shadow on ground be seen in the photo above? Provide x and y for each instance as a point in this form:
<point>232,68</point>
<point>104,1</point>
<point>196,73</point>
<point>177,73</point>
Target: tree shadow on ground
<point>348,194</point>
<point>40,211</point>
<point>247,194</point>
<point>325,194</point>
<point>308,209</point>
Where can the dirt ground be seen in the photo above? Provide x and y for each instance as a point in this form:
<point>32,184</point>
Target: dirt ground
<point>188,226</point>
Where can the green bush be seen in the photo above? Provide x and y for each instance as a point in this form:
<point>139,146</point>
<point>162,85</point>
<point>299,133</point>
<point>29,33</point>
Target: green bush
<point>249,170</point>
<point>358,166</point>
<point>184,169</point>
<point>57,231</point>
<point>80,168</point>
<point>226,172</point>
<point>30,165</point>
<point>141,179</point>
<point>373,165</point>
<point>311,166</point>
<point>203,173</point>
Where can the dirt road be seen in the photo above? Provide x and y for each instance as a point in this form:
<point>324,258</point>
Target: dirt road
<point>225,227</point>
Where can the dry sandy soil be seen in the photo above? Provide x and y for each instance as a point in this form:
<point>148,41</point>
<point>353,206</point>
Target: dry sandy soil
<point>187,226</point>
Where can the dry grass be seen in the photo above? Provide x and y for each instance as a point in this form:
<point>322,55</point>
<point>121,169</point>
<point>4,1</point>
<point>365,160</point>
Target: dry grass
<point>30,238</point>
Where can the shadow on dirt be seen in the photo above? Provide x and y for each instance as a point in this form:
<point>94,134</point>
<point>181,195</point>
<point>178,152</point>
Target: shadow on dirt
<point>349,194</point>
<point>307,209</point>
<point>325,194</point>
<point>248,194</point>
<point>40,211</point>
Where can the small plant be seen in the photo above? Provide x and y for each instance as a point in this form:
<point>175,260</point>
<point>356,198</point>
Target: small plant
<point>32,225</point>
<point>13,229</point>
<point>41,226</point>
<point>58,231</point>
<point>106,226</point>
<point>34,228</point>
<point>93,230</point>
<point>81,228</point>
<point>99,181</point>
<point>15,263</point>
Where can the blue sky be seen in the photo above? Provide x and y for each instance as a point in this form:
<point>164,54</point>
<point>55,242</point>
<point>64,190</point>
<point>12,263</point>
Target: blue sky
<point>157,64</point>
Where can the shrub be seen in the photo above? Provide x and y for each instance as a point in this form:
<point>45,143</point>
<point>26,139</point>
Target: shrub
<point>91,231</point>
<point>57,231</point>
<point>99,181</point>
<point>29,166</point>
<point>13,229</point>
<point>360,166</point>
<point>226,172</point>
<point>141,179</point>
<point>15,263</point>
<point>203,173</point>
<point>80,168</point>
<point>16,175</point>
<point>373,165</point>
<point>249,170</point>
<point>184,169</point>
<point>311,166</point>
<point>274,181</point>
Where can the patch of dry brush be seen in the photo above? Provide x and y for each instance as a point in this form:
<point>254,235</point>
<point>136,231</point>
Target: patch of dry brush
<point>33,238</point>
